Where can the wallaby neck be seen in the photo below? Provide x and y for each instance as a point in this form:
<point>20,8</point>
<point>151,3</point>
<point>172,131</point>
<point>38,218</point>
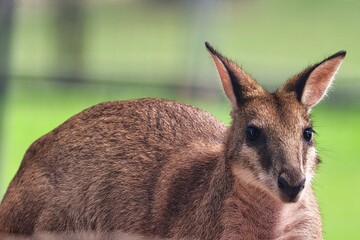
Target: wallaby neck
<point>249,212</point>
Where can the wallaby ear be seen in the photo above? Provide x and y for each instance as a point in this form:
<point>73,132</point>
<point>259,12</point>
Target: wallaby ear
<point>236,83</point>
<point>312,84</point>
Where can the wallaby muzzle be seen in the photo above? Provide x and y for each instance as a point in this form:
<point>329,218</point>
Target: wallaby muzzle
<point>290,189</point>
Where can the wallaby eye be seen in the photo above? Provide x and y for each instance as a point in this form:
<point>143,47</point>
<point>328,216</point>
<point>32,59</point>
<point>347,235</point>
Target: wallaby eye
<point>308,134</point>
<point>252,133</point>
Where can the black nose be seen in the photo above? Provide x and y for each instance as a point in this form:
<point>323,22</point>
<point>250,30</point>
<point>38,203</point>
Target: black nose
<point>290,190</point>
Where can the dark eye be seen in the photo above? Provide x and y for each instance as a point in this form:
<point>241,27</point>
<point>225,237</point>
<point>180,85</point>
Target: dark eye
<point>252,133</point>
<point>308,134</point>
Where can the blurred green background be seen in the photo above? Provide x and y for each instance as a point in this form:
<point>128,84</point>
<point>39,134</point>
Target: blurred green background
<point>59,57</point>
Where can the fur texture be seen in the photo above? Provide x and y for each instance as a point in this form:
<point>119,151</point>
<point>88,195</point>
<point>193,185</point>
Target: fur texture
<point>159,169</point>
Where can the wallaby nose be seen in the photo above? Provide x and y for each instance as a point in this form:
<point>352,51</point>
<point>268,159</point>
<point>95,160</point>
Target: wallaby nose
<point>290,190</point>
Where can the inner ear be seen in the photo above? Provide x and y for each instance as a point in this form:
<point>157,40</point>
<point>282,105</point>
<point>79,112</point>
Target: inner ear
<point>319,81</point>
<point>312,84</point>
<point>237,84</point>
<point>228,82</point>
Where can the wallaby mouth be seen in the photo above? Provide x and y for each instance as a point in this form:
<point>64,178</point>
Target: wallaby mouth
<point>290,192</point>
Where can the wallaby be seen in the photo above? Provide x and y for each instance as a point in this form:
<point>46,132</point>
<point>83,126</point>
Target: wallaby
<point>162,169</point>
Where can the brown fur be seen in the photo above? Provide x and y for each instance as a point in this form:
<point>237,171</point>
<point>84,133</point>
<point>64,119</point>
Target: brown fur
<point>161,169</point>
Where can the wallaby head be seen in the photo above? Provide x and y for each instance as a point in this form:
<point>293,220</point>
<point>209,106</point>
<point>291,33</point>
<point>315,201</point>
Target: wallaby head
<point>270,142</point>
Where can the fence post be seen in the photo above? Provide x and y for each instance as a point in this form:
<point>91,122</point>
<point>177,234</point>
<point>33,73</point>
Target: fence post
<point>7,8</point>
<point>69,25</point>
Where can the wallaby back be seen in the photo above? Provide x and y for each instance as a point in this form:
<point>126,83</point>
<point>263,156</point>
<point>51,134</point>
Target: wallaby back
<point>86,173</point>
<point>157,168</point>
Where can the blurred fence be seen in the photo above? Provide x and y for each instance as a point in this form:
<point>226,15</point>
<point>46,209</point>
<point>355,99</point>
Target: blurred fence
<point>6,25</point>
<point>160,43</point>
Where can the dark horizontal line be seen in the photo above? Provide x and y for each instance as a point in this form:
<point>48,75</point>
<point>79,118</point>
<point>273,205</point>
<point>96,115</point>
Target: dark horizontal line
<point>164,84</point>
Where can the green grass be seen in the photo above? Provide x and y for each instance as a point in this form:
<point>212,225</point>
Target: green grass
<point>338,176</point>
